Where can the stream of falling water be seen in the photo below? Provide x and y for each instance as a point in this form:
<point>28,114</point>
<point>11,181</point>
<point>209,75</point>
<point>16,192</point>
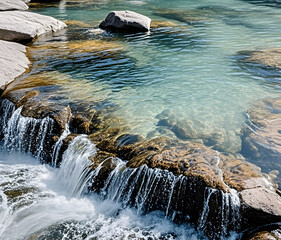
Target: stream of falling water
<point>41,202</point>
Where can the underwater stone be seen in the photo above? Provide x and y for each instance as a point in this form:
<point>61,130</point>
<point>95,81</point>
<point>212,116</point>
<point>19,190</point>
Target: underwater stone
<point>268,57</point>
<point>262,138</point>
<point>126,21</point>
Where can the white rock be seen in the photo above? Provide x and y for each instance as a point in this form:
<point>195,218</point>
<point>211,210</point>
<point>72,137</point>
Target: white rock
<point>21,26</point>
<point>126,21</point>
<point>7,5</point>
<point>13,61</point>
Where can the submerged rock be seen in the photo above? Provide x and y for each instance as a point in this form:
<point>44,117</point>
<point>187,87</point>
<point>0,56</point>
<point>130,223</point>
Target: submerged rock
<point>262,136</point>
<point>13,61</point>
<point>163,23</point>
<point>269,57</point>
<point>34,106</point>
<point>7,5</point>
<point>192,17</point>
<point>21,26</point>
<point>74,49</point>
<point>186,129</point>
<point>126,21</point>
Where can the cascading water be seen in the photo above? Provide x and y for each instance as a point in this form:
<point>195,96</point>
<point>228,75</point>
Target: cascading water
<point>153,189</point>
<point>7,108</point>
<point>143,188</point>
<point>76,166</point>
<point>58,146</point>
<point>25,134</point>
<point>35,204</point>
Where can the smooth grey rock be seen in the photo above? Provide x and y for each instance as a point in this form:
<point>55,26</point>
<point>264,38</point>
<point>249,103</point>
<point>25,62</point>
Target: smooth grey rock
<point>126,21</point>
<point>260,206</point>
<point>7,5</point>
<point>13,61</point>
<point>21,26</point>
<point>262,199</point>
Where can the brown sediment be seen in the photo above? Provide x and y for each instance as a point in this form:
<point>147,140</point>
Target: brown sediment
<point>163,23</point>
<point>41,5</point>
<point>269,57</point>
<point>77,23</point>
<point>75,47</point>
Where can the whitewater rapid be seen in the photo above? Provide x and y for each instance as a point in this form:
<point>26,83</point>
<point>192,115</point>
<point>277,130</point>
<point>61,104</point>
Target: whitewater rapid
<point>36,203</point>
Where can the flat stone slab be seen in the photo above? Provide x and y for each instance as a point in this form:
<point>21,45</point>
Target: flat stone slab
<point>13,61</point>
<point>126,21</point>
<point>21,26</point>
<point>8,5</point>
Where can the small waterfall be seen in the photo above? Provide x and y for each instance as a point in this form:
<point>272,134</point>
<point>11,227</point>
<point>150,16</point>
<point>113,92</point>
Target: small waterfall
<point>228,212</point>
<point>7,108</point>
<point>27,134</point>
<point>143,188</point>
<point>139,187</point>
<point>75,167</point>
<point>58,145</point>
<point>149,189</point>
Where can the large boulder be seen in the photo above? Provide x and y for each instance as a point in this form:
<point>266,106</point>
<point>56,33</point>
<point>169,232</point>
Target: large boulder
<point>7,5</point>
<point>126,21</point>
<point>21,26</point>
<point>265,203</point>
<point>13,61</point>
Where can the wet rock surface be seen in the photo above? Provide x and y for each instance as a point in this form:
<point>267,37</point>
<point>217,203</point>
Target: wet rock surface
<point>195,168</point>
<point>21,26</point>
<point>265,236</point>
<point>262,136</point>
<point>34,106</point>
<point>126,21</point>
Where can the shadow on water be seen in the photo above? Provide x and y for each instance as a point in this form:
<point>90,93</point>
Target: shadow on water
<point>267,3</point>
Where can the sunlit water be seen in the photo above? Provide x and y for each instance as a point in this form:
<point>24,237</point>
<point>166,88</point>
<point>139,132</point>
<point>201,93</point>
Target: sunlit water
<point>35,204</point>
<point>191,68</point>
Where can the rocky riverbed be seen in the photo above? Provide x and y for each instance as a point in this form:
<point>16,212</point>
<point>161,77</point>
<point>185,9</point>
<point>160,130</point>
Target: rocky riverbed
<point>201,178</point>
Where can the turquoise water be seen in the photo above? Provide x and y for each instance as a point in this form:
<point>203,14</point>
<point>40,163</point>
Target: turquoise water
<point>191,69</point>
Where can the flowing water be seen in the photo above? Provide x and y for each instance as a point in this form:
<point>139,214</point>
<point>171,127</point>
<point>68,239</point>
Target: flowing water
<point>41,202</point>
<point>190,67</point>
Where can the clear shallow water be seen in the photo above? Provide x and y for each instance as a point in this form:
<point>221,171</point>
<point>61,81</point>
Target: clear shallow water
<point>35,204</point>
<point>190,68</point>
